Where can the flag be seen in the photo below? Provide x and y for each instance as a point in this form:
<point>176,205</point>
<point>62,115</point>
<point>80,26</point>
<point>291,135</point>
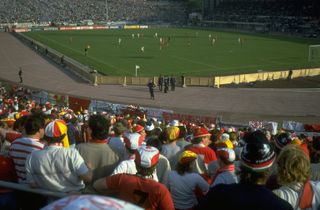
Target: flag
<point>137,67</point>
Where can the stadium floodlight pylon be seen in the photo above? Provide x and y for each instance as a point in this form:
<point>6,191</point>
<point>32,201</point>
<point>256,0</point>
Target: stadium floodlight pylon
<point>314,53</point>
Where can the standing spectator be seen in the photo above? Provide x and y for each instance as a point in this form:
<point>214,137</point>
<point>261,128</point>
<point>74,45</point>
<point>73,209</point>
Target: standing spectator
<point>163,166</point>
<point>294,175</point>
<point>183,184</point>
<point>200,142</point>
<point>226,174</point>
<point>20,75</point>
<point>97,152</point>
<point>257,158</point>
<point>173,83</point>
<point>160,82</point>
<point>170,149</point>
<point>132,142</point>
<point>116,142</point>
<point>151,86</point>
<point>139,189</point>
<point>56,168</point>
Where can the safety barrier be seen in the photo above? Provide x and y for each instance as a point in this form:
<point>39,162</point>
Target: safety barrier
<point>263,76</point>
<point>27,188</point>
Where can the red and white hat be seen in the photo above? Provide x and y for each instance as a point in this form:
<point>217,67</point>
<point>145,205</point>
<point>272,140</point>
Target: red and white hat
<point>133,140</point>
<point>226,154</point>
<point>138,128</point>
<point>200,132</point>
<point>147,156</point>
<point>68,116</point>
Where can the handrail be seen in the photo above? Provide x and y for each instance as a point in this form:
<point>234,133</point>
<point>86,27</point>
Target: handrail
<point>25,187</point>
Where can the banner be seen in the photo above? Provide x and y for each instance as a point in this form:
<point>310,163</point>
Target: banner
<point>189,118</point>
<point>78,104</point>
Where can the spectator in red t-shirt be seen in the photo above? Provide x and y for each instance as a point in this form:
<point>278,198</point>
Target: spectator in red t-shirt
<point>139,189</point>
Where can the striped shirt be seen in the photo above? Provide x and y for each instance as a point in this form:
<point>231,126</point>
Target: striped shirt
<point>19,150</point>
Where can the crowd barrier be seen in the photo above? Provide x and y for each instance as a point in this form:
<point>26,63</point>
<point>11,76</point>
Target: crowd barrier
<point>27,188</point>
<point>263,76</point>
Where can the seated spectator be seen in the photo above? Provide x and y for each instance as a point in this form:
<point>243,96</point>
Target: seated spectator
<point>185,185</point>
<point>294,175</point>
<point>250,193</point>
<point>79,202</point>
<point>139,189</point>
<point>8,174</point>
<point>56,168</point>
<point>97,152</point>
<point>22,147</point>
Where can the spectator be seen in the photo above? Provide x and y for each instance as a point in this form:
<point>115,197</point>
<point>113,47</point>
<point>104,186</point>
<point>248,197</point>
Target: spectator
<point>140,188</point>
<point>116,142</point>
<point>56,168</point>
<point>22,147</point>
<point>163,166</point>
<point>256,159</point>
<point>200,142</point>
<point>185,185</point>
<point>170,149</point>
<point>132,142</point>
<point>226,174</point>
<point>97,152</point>
<point>294,175</point>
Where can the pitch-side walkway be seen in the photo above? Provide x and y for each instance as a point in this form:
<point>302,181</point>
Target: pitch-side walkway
<point>232,104</point>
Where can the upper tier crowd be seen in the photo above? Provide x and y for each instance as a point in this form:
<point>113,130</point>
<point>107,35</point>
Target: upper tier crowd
<point>74,11</point>
<point>282,16</point>
<point>149,162</point>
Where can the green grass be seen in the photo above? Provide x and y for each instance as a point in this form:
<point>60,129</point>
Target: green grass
<point>189,52</point>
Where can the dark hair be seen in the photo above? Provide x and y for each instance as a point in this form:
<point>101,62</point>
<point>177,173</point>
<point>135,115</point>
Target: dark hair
<point>19,123</point>
<point>99,126</point>
<point>34,123</point>
<point>145,171</point>
<point>183,168</point>
<point>183,132</point>
<point>155,142</point>
<point>196,140</point>
<point>54,139</point>
<point>250,177</point>
<point>118,128</point>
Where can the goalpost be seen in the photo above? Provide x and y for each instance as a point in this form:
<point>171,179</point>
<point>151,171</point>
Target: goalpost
<point>314,53</point>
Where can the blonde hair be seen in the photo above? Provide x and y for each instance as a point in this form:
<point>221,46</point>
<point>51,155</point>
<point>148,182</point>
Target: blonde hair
<point>293,165</point>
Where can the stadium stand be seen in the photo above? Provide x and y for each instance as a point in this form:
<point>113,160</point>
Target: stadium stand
<point>292,17</point>
<point>75,11</point>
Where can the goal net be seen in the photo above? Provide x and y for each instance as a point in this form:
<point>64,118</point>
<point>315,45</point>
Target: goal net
<point>314,53</point>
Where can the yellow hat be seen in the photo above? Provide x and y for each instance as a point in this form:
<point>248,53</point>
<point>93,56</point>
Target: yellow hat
<point>173,133</point>
<point>187,156</point>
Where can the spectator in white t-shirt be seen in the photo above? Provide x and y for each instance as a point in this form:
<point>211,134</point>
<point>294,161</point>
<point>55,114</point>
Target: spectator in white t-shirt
<point>185,185</point>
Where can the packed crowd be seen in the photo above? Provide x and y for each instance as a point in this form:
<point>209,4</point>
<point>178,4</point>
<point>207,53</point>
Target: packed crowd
<point>149,162</point>
<point>77,10</point>
<point>280,16</point>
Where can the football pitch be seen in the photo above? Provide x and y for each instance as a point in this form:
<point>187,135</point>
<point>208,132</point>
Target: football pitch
<point>173,51</point>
